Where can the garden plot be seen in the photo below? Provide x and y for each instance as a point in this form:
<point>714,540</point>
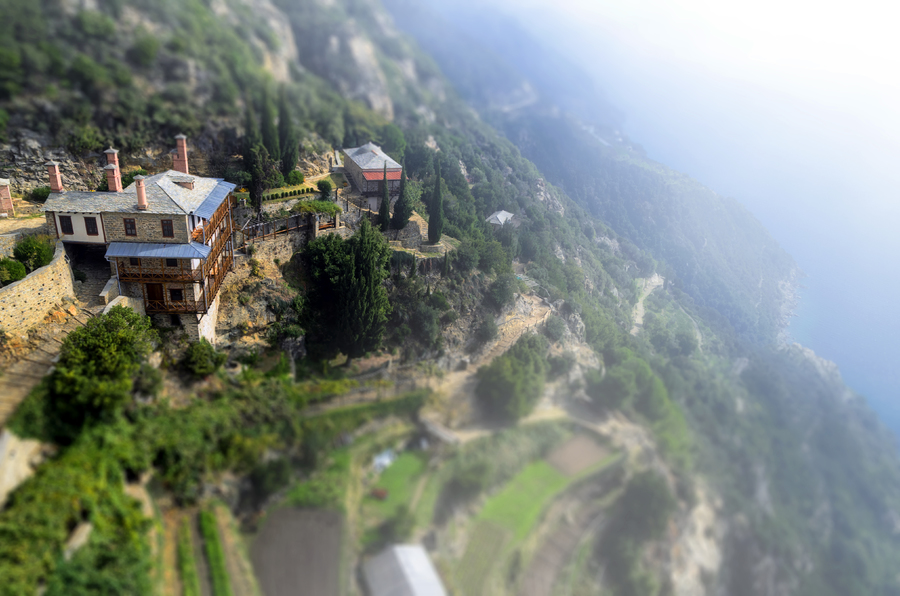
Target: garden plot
<point>577,455</point>
<point>487,540</point>
<point>298,553</point>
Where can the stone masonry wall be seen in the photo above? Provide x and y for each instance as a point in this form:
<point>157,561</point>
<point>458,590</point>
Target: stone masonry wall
<point>7,243</point>
<point>149,228</point>
<point>25,303</point>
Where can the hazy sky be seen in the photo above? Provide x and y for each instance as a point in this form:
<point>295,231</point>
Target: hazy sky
<point>791,107</point>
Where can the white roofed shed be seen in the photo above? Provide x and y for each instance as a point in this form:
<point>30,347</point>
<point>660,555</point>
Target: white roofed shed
<point>402,570</point>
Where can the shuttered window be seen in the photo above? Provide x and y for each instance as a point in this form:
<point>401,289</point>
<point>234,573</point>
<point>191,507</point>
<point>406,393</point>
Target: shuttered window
<point>65,224</point>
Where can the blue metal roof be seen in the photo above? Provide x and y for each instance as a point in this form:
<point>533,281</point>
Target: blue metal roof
<point>148,250</point>
<point>214,199</point>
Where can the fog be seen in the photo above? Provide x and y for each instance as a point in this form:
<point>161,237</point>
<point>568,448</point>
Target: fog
<point>791,108</point>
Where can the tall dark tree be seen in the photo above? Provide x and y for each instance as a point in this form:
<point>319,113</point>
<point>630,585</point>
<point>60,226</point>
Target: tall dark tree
<point>252,138</point>
<point>384,212</point>
<point>287,135</point>
<point>436,207</point>
<point>346,306</point>
<point>263,170</point>
<point>403,207</point>
<point>269,130</point>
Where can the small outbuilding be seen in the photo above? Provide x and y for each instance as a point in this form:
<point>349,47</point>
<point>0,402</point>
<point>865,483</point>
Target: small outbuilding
<point>402,570</point>
<point>499,218</point>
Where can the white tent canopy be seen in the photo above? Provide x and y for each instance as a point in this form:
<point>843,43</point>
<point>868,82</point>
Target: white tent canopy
<point>402,570</point>
<point>499,218</point>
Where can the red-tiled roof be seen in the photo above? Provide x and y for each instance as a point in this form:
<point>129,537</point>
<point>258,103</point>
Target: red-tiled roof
<point>372,176</point>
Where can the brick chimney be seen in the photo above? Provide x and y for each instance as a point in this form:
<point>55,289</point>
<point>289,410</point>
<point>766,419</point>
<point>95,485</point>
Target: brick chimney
<point>55,178</point>
<point>6,204</point>
<point>112,156</point>
<point>113,178</point>
<point>141,193</point>
<point>181,159</point>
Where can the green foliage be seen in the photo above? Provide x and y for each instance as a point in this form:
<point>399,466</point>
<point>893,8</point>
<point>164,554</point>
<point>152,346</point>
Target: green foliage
<point>93,379</point>
<point>392,141</point>
<point>269,131</point>
<point>404,207</point>
<point>215,556</point>
<point>324,186</point>
<point>502,291</point>
<point>555,327</point>
<point>144,50</point>
<point>294,178</point>
<point>425,325</point>
<point>187,565</point>
<point>148,381</point>
<point>201,359</point>
<point>84,483</point>
<point>346,306</point>
<point>323,207</point>
<point>39,194</point>
<point>34,251</point>
<point>327,487</point>
<point>11,271</point>
<point>487,330</point>
<point>384,210</point>
<point>510,386</point>
<point>436,207</point>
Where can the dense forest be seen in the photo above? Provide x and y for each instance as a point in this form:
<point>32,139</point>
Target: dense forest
<point>725,403</point>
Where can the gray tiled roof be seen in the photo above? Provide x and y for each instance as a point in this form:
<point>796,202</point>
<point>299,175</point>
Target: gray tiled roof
<point>164,196</point>
<point>371,157</point>
<point>402,570</point>
<point>149,250</point>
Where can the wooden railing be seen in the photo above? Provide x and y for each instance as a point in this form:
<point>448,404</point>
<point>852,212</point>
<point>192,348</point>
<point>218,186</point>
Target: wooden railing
<point>180,306</point>
<point>271,229</point>
<point>172,274</point>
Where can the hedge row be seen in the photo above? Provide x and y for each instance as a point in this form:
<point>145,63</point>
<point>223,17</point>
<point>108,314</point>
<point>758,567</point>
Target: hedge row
<point>215,556</point>
<point>290,193</point>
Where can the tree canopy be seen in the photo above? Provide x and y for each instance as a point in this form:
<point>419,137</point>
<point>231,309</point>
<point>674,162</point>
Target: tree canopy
<point>384,211</point>
<point>403,207</point>
<point>436,207</point>
<point>346,306</point>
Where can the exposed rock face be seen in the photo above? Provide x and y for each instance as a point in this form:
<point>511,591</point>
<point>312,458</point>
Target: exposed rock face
<point>277,57</point>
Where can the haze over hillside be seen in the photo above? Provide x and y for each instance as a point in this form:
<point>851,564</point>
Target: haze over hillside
<point>791,111</point>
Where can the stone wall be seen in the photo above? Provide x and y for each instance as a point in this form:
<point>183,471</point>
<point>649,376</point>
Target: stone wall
<point>25,303</point>
<point>133,303</point>
<point>149,228</point>
<point>7,243</point>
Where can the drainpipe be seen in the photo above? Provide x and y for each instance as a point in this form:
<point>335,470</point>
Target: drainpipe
<point>118,281</point>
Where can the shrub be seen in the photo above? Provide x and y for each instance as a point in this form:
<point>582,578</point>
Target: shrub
<point>487,330</point>
<point>510,386</point>
<point>148,381</point>
<point>79,275</point>
<point>554,328</point>
<point>502,290</point>
<point>144,50</point>
<point>324,187</point>
<point>34,252</point>
<point>202,359</point>
<point>295,178</point>
<point>39,194</point>
<point>11,271</point>
<point>425,325</point>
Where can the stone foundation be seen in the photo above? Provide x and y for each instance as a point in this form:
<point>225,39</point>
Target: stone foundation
<point>25,303</point>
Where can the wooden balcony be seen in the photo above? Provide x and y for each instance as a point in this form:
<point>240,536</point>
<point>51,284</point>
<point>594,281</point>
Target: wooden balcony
<point>138,274</point>
<point>179,307</point>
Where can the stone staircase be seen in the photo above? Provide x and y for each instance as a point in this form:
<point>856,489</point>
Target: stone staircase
<point>28,360</point>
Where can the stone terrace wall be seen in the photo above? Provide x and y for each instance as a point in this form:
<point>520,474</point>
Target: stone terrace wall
<point>7,243</point>
<point>25,303</point>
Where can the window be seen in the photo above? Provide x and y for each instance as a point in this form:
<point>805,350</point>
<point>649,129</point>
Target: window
<point>90,225</point>
<point>134,262</point>
<point>171,262</point>
<point>130,228</point>
<point>176,294</point>
<point>167,230</point>
<point>65,224</point>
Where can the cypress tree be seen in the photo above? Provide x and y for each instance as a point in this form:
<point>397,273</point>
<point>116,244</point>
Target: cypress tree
<point>436,208</point>
<point>251,139</point>
<point>403,208</point>
<point>287,135</point>
<point>366,307</point>
<point>269,131</point>
<point>384,212</point>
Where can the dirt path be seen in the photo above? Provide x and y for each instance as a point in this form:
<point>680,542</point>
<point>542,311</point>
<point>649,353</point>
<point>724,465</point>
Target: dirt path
<point>649,285</point>
<point>243,582</point>
<point>26,225</point>
<point>18,460</point>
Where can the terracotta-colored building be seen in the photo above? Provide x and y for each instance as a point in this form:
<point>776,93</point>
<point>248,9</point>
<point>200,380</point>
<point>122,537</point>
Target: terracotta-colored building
<point>365,165</point>
<point>6,202</point>
<point>168,236</point>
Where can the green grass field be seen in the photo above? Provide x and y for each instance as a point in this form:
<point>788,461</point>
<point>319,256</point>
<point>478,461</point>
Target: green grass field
<point>399,480</point>
<point>519,505</point>
<point>486,541</point>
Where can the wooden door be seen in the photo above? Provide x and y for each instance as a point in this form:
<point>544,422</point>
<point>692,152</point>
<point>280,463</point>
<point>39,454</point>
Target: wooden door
<point>155,292</point>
